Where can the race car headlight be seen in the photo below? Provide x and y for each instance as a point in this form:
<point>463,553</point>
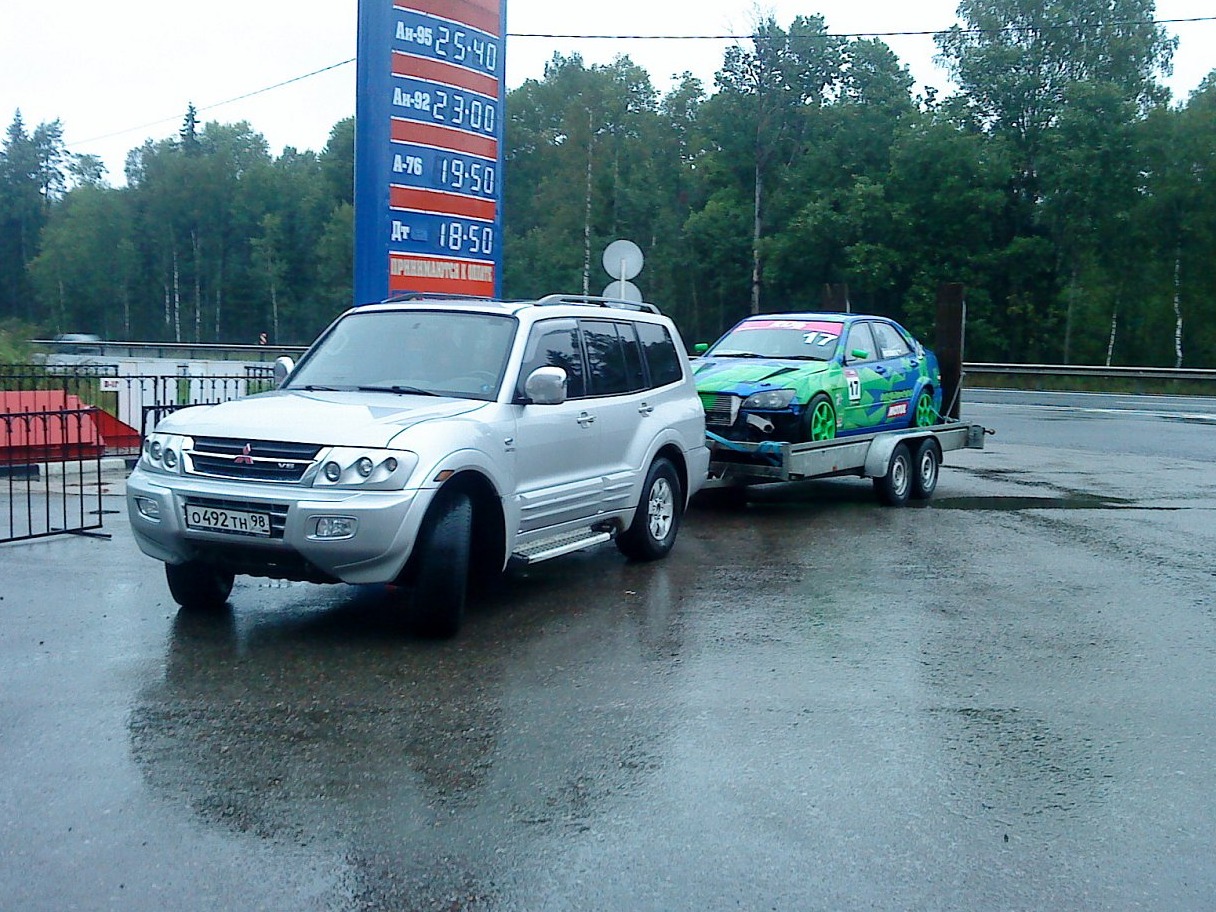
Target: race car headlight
<point>163,452</point>
<point>769,400</point>
<point>365,469</point>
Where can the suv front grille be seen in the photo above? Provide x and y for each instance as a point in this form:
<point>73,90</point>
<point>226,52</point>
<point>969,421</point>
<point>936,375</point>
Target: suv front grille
<point>251,460</point>
<point>721,409</point>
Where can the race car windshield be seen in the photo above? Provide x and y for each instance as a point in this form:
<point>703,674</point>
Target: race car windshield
<point>794,340</point>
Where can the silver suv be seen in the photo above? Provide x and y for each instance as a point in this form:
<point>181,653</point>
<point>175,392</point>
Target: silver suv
<point>424,442</point>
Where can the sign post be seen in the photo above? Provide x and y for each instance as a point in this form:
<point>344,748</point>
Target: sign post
<point>429,154</point>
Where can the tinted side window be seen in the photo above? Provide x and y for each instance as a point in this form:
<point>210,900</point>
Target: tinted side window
<point>860,339</point>
<point>890,343</point>
<point>554,343</point>
<point>662,358</point>
<point>607,372</point>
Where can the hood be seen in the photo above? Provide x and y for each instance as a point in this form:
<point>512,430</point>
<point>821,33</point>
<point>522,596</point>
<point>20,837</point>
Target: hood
<point>720,375</point>
<point>327,419</point>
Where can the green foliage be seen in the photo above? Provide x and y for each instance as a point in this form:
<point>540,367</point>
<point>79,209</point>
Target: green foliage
<point>1057,185</point>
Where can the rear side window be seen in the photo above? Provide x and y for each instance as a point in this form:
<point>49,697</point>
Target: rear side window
<point>890,343</point>
<point>614,359</point>
<point>662,358</point>
<point>554,343</point>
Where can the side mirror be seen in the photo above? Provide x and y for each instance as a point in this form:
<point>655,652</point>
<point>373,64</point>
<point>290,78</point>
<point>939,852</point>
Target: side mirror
<point>859,354</point>
<point>700,348</point>
<point>546,386</point>
<point>282,370</point>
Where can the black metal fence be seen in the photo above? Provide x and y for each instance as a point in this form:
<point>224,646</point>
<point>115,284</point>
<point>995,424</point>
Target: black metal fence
<point>58,421</point>
<point>136,400</point>
<point>50,473</point>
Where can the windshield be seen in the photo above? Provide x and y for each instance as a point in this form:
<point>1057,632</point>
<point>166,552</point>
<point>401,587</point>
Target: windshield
<point>810,340</point>
<point>434,352</point>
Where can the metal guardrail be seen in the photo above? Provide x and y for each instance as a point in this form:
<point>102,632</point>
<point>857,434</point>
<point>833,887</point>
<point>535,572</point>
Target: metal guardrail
<point>173,350</point>
<point>1100,371</point>
<point>50,474</point>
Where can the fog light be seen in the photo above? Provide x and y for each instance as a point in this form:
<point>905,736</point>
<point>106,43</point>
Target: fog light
<point>364,467</point>
<point>148,508</point>
<point>333,471</point>
<point>331,527</point>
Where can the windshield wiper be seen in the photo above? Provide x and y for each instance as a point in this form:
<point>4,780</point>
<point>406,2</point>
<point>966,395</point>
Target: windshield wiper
<point>396,388</point>
<point>311,388</point>
<point>738,355</point>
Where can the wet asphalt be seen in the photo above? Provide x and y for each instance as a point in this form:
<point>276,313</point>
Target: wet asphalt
<point>1002,700</point>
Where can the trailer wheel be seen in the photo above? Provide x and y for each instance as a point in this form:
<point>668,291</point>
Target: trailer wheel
<point>197,586</point>
<point>819,419</point>
<point>894,487</point>
<point>926,466</point>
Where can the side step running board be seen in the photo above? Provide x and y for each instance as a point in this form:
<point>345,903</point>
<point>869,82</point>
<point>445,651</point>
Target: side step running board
<point>556,547</point>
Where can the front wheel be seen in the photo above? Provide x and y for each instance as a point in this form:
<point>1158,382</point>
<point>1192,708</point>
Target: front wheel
<point>197,586</point>
<point>819,419</point>
<point>894,487</point>
<point>652,533</point>
<point>441,567</point>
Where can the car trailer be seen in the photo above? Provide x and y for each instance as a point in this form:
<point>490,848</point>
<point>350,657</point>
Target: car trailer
<point>903,464</point>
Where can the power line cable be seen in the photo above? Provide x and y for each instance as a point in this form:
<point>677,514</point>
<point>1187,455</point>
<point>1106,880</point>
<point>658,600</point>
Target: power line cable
<point>605,37</point>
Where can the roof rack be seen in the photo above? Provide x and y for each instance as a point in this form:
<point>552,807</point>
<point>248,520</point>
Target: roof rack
<point>429,296</point>
<point>594,301</point>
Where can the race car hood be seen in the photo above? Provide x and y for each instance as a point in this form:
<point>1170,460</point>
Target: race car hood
<point>327,419</point>
<point>747,375</point>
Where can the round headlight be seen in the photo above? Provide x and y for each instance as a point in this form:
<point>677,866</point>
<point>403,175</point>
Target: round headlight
<point>170,458</point>
<point>391,464</point>
<point>333,471</point>
<point>364,467</point>
<point>155,450</point>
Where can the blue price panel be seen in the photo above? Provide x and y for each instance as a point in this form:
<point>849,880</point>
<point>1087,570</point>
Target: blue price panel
<point>441,169</point>
<point>449,42</point>
<point>414,99</point>
<point>425,232</point>
<point>428,151</point>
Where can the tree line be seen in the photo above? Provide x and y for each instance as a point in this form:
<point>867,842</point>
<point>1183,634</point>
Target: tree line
<point>1058,184</point>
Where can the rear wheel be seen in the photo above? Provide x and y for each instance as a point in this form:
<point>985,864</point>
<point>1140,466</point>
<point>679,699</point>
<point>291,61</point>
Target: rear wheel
<point>197,586</point>
<point>652,533</point>
<point>894,487</point>
<point>441,567</point>
<point>819,419</point>
<point>924,414</point>
<point>926,466</point>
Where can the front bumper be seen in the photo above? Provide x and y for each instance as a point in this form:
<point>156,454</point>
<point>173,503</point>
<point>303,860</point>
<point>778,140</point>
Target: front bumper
<point>386,526</point>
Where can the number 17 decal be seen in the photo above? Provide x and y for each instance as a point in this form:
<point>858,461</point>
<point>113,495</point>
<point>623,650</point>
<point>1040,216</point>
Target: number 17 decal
<point>854,382</point>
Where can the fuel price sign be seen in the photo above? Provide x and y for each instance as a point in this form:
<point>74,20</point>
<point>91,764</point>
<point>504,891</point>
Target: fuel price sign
<point>428,160</point>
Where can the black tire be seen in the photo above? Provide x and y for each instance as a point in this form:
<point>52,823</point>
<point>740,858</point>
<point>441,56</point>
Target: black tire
<point>652,533</point>
<point>197,586</point>
<point>926,466</point>
<point>818,422</point>
<point>894,487</point>
<point>441,567</point>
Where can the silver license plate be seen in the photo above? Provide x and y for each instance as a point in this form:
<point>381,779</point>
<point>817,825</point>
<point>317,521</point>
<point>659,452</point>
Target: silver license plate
<point>214,519</point>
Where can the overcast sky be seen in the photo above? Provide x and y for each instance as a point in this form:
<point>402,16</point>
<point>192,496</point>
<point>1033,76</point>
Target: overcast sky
<point>122,71</point>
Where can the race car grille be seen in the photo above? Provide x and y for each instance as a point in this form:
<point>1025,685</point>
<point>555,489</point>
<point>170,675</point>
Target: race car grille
<point>721,409</point>
<point>251,460</point>
<point>277,512</point>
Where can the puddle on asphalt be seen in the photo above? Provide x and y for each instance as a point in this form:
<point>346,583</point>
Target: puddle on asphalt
<point>1015,503</point>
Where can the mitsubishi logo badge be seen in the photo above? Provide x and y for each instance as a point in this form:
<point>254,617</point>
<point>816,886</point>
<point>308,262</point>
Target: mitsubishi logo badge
<point>245,458</point>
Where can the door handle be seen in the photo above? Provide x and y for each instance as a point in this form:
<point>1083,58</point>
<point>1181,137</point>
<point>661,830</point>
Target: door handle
<point>646,409</point>
<point>586,420</point>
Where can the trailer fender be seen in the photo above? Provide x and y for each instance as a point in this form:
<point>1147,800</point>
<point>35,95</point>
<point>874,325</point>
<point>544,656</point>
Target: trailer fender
<point>878,456</point>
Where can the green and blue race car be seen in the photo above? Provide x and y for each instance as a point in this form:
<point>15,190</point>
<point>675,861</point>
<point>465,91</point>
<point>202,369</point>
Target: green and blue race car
<point>814,376</point>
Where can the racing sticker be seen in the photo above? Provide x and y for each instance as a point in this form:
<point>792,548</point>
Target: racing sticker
<point>854,381</point>
<point>898,409</point>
